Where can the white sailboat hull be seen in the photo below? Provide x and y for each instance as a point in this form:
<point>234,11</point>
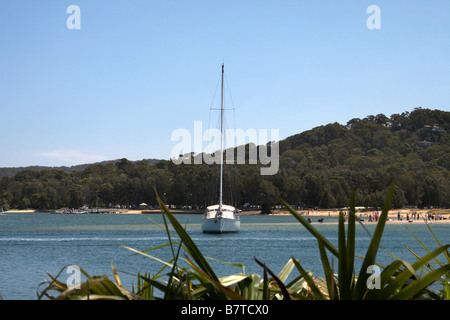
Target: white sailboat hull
<point>220,225</point>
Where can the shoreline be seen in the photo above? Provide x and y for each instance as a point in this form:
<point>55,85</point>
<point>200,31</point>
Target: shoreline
<point>406,215</point>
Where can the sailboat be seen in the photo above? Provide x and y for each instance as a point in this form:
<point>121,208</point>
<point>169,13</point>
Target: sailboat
<point>221,218</point>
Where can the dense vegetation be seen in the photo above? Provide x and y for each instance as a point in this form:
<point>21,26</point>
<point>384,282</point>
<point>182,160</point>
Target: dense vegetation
<point>318,167</point>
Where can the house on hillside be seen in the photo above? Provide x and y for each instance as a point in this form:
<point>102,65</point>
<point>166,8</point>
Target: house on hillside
<point>434,128</point>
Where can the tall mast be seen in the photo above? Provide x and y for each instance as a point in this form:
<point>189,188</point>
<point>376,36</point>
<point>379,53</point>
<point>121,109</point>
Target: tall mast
<point>221,144</point>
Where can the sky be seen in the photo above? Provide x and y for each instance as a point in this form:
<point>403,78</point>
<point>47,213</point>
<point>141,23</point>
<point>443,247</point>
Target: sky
<point>136,71</point>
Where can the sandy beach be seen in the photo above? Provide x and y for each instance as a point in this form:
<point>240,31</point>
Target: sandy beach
<point>406,215</point>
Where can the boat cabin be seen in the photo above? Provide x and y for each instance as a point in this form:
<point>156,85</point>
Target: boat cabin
<point>227,212</point>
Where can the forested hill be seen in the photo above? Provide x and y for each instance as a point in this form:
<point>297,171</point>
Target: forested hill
<point>412,149</point>
<point>318,167</point>
<point>10,172</point>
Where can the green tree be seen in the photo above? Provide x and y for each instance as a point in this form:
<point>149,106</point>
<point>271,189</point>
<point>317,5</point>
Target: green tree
<point>75,197</point>
<point>24,203</point>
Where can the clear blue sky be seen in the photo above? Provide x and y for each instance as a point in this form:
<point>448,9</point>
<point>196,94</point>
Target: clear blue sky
<point>138,70</point>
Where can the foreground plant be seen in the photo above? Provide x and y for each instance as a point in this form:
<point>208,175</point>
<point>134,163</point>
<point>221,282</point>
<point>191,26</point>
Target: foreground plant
<point>94,288</point>
<point>397,281</point>
<point>430,267</point>
<point>189,276</point>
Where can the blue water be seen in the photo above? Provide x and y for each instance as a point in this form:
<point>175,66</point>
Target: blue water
<point>33,243</point>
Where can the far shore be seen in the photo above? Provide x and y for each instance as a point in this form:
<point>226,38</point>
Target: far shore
<point>395,215</point>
